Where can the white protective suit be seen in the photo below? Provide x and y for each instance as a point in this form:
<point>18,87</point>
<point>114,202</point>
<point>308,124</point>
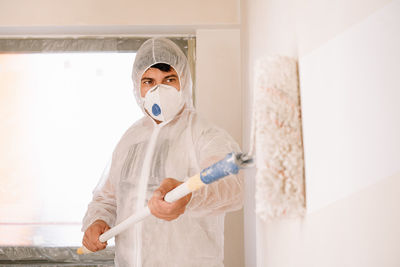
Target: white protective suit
<point>146,154</point>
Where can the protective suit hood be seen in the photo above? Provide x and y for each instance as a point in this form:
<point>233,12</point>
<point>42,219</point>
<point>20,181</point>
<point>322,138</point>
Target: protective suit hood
<point>162,50</point>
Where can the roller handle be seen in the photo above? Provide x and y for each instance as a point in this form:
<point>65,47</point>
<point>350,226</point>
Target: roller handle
<point>178,192</point>
<point>218,170</point>
<point>222,168</point>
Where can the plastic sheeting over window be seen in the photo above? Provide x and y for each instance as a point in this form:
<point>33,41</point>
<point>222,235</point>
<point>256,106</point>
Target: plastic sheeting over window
<point>53,256</point>
<point>84,44</point>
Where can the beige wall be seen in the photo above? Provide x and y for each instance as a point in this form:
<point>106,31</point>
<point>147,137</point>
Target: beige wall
<point>26,13</point>
<point>349,64</point>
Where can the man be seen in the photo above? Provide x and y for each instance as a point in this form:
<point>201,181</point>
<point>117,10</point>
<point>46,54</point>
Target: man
<point>156,154</point>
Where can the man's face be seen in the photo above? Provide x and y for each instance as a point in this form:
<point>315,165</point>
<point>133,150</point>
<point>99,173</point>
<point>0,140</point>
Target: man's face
<point>153,77</point>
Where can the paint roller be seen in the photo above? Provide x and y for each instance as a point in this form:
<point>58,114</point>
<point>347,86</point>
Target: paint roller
<point>231,164</point>
<point>276,139</point>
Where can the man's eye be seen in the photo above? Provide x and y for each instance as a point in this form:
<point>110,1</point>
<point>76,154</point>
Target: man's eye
<point>147,82</point>
<point>171,80</point>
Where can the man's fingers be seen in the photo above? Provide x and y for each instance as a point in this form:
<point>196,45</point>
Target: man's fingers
<point>94,245</point>
<point>159,194</point>
<point>91,237</point>
<point>158,207</point>
<point>100,245</point>
<point>168,184</point>
<point>165,210</point>
<point>89,244</point>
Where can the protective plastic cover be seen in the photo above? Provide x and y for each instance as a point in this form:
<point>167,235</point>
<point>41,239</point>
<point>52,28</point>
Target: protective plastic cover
<point>178,149</point>
<point>53,256</point>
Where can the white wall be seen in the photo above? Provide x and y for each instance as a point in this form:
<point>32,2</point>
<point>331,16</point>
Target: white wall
<point>356,231</point>
<point>350,99</point>
<point>216,24</point>
<point>349,69</point>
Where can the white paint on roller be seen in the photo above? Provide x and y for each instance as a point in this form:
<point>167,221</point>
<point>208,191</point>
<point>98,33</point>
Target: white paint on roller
<point>277,139</point>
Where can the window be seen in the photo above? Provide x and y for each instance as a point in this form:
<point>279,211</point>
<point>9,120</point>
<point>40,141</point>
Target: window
<point>62,112</point>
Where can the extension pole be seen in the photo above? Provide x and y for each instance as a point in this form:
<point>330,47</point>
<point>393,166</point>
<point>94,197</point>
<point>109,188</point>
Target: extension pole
<point>227,166</point>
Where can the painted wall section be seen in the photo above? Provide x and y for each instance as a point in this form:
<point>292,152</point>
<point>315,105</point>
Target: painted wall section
<point>356,231</point>
<point>319,21</point>
<point>218,99</point>
<point>350,99</point>
<point>348,67</point>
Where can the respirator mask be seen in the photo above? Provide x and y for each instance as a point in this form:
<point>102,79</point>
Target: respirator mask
<point>163,102</point>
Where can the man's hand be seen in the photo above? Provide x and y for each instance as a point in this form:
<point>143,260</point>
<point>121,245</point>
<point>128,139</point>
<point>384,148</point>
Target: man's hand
<point>165,210</point>
<point>91,238</point>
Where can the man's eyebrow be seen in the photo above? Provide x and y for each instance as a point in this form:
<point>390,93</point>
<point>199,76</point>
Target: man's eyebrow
<point>146,78</point>
<point>171,76</point>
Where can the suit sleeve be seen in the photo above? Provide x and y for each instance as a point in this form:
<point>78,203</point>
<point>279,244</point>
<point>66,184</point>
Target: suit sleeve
<point>103,205</point>
<point>225,194</point>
